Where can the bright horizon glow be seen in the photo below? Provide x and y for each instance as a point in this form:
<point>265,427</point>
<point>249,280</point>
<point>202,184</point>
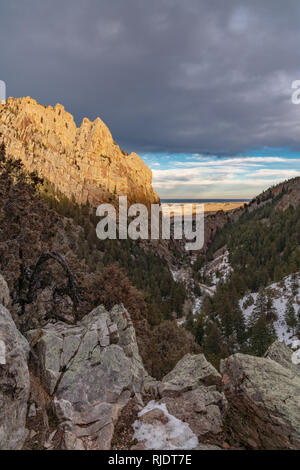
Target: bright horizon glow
<point>202,176</point>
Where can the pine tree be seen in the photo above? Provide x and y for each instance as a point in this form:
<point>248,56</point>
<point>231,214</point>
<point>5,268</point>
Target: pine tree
<point>294,284</point>
<point>200,330</point>
<point>189,322</point>
<point>260,308</point>
<point>290,315</point>
<point>263,335</point>
<point>213,342</point>
<point>239,326</point>
<point>270,312</point>
<point>298,322</point>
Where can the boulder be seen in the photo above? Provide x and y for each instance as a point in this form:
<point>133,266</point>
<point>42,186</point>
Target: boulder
<point>203,409</point>
<point>190,372</point>
<point>207,447</point>
<point>91,370</point>
<point>157,429</point>
<point>154,415</point>
<point>14,383</point>
<point>191,393</point>
<point>282,354</point>
<point>264,399</point>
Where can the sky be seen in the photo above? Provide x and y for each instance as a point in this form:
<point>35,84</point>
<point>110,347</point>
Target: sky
<point>201,89</point>
<point>192,176</point>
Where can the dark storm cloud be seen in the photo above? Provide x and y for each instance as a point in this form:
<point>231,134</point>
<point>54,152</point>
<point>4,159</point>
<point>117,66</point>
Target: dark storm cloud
<point>192,76</point>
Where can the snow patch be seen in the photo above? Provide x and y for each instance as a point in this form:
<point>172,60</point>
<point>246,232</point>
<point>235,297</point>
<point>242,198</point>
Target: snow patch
<point>218,269</point>
<point>158,436</point>
<point>184,275</point>
<point>197,305</point>
<point>282,294</point>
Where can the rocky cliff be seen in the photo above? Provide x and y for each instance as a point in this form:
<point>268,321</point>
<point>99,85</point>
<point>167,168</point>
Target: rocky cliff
<point>83,162</point>
<point>264,399</point>
<point>85,387</point>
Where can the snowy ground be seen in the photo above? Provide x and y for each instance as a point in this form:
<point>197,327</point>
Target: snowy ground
<point>184,275</point>
<point>174,435</point>
<point>218,269</point>
<point>281,295</point>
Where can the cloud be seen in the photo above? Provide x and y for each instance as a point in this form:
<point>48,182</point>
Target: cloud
<point>242,161</point>
<point>279,173</point>
<point>221,177</point>
<point>188,84</point>
<point>166,76</point>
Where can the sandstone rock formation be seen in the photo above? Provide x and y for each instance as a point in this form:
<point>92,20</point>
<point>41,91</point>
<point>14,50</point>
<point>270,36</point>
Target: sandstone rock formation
<point>14,383</point>
<point>90,370</point>
<point>264,399</point>
<point>83,162</point>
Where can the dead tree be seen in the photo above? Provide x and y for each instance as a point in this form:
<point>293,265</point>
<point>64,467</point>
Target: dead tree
<point>34,279</point>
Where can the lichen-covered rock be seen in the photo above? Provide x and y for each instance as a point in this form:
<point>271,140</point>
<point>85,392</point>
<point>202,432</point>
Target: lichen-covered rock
<point>14,383</point>
<point>83,162</point>
<point>190,372</point>
<point>203,409</point>
<point>190,392</point>
<point>280,353</point>
<point>4,292</point>
<point>264,399</point>
<point>207,447</point>
<point>91,370</point>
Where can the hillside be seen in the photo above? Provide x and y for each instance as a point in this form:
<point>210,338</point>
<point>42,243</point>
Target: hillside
<point>57,269</point>
<point>257,247</point>
<point>84,163</point>
<point>91,356</point>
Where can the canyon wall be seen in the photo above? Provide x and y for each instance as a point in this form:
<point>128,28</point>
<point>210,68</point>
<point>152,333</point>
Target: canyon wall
<point>82,162</point>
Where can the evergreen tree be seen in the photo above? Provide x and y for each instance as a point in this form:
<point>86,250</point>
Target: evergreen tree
<point>189,322</point>
<point>200,330</point>
<point>270,312</point>
<point>263,335</point>
<point>298,322</point>
<point>214,341</point>
<point>260,308</point>
<point>294,284</point>
<point>239,326</point>
<point>290,315</point>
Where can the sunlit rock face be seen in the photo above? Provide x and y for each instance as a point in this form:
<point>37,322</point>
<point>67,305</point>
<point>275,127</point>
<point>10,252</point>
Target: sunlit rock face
<point>82,162</point>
